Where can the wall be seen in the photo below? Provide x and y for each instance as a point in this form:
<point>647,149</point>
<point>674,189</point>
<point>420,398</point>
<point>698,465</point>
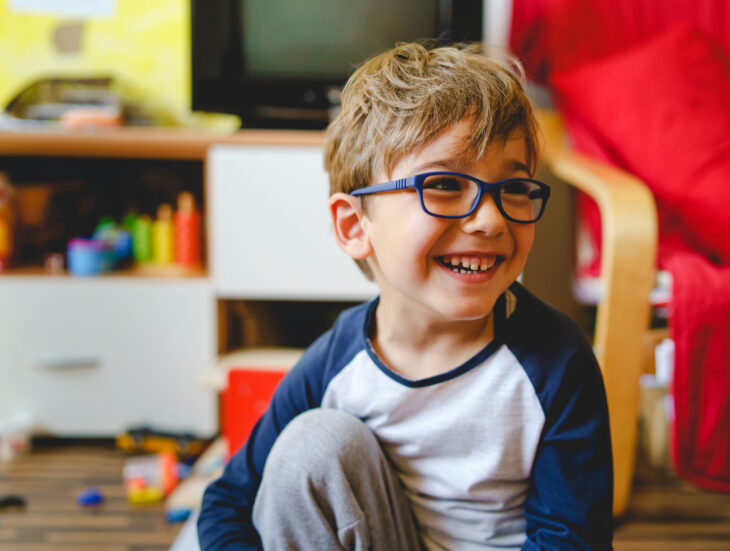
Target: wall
<point>145,44</point>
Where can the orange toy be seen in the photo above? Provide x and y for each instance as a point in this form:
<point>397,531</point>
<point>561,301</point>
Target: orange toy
<point>187,232</point>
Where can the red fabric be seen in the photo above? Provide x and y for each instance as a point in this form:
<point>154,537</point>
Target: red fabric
<point>661,111</point>
<point>556,35</point>
<point>701,331</point>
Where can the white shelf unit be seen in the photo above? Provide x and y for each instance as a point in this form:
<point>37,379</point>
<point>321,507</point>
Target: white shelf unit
<point>94,356</point>
<point>271,233</point>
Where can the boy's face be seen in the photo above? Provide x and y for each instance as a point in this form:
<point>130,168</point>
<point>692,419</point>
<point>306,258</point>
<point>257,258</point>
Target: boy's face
<point>413,253</point>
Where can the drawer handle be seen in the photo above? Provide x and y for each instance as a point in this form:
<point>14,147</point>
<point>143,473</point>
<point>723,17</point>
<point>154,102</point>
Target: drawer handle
<point>68,364</point>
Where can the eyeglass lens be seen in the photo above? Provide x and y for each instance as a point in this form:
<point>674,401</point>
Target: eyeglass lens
<point>450,195</point>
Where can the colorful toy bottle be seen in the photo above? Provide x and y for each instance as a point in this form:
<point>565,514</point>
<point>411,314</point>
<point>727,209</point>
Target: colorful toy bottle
<point>163,242</point>
<point>6,223</point>
<point>187,232</point>
<point>142,239</point>
<point>118,238</point>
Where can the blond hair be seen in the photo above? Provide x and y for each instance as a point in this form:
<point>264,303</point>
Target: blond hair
<point>398,101</point>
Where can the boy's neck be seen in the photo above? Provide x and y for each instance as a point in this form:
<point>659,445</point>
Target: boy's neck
<point>416,347</point>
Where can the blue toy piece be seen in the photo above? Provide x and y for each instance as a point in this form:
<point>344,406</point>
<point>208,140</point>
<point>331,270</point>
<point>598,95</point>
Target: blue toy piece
<point>177,515</point>
<point>90,497</point>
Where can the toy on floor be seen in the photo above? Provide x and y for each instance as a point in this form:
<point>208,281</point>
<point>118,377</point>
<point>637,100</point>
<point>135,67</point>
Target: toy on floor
<point>147,439</point>
<point>188,495</point>
<point>149,478</point>
<point>12,501</point>
<point>90,497</point>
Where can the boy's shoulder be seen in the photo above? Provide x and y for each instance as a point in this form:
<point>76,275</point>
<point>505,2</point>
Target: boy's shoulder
<point>530,320</point>
<point>351,325</point>
<point>552,349</point>
<point>345,339</point>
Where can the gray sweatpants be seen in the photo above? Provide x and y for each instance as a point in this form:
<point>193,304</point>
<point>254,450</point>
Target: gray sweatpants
<point>327,485</point>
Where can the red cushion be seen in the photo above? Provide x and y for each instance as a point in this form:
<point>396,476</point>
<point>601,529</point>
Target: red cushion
<point>661,111</point>
<point>556,35</point>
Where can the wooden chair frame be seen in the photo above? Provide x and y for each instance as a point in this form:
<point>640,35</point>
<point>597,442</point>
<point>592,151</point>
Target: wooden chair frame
<point>628,265</point>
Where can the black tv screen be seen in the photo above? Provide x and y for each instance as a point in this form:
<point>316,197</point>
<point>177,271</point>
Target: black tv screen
<point>325,38</point>
<point>282,63</point>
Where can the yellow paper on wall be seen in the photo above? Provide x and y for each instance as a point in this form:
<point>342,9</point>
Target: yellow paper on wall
<point>145,45</point>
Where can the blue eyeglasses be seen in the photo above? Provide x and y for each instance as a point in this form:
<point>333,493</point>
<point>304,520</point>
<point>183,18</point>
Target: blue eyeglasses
<point>454,195</point>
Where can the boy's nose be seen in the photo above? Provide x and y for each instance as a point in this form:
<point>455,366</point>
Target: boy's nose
<point>486,218</point>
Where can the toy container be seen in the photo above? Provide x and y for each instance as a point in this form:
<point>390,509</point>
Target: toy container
<point>87,257</point>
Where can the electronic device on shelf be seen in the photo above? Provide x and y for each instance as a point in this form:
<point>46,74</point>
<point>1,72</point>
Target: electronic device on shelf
<point>282,64</point>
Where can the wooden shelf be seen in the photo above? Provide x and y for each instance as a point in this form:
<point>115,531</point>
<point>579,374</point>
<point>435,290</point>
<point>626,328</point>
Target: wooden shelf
<point>135,272</point>
<point>143,143</point>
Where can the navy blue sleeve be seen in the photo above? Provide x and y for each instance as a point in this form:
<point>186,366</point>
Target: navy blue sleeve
<point>570,501</point>
<point>225,516</point>
<point>571,493</point>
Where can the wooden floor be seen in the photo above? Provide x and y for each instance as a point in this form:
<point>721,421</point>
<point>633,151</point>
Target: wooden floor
<point>665,514</point>
<point>50,478</point>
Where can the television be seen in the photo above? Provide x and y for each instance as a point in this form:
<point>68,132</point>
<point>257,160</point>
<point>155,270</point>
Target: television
<point>282,63</point>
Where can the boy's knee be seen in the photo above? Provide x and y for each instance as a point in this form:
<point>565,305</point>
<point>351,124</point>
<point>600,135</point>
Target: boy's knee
<point>318,439</point>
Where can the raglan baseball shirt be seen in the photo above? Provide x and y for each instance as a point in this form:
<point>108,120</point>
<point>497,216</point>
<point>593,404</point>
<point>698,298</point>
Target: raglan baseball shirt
<point>510,450</point>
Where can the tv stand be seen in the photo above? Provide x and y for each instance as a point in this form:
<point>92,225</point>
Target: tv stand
<point>286,118</point>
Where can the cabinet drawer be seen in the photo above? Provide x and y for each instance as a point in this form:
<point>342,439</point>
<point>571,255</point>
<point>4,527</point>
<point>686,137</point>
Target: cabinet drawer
<point>94,356</point>
<point>271,236</point>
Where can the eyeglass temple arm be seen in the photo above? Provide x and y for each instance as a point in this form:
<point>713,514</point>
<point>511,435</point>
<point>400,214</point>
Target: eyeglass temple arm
<point>393,185</point>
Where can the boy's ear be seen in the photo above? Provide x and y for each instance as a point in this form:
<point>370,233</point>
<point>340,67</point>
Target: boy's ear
<point>347,216</point>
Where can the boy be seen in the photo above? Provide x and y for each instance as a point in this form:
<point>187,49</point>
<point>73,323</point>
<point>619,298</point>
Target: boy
<point>456,411</point>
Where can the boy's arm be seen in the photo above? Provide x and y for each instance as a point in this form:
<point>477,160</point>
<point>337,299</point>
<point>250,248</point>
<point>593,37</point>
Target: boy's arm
<point>225,517</point>
<point>571,492</point>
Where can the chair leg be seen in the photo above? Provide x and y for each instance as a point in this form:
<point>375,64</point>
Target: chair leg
<point>628,262</point>
<point>619,345</point>
<point>623,406</point>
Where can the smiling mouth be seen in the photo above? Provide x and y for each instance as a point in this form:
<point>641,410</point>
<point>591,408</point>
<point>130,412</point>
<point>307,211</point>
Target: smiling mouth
<point>465,264</point>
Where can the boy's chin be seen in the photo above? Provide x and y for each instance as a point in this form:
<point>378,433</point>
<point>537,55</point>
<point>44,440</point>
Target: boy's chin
<point>468,311</point>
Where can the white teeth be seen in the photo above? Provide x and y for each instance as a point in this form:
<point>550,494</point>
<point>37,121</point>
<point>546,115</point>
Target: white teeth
<point>469,264</point>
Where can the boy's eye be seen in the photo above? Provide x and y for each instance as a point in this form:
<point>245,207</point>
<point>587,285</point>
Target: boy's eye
<point>444,183</point>
<point>517,187</point>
